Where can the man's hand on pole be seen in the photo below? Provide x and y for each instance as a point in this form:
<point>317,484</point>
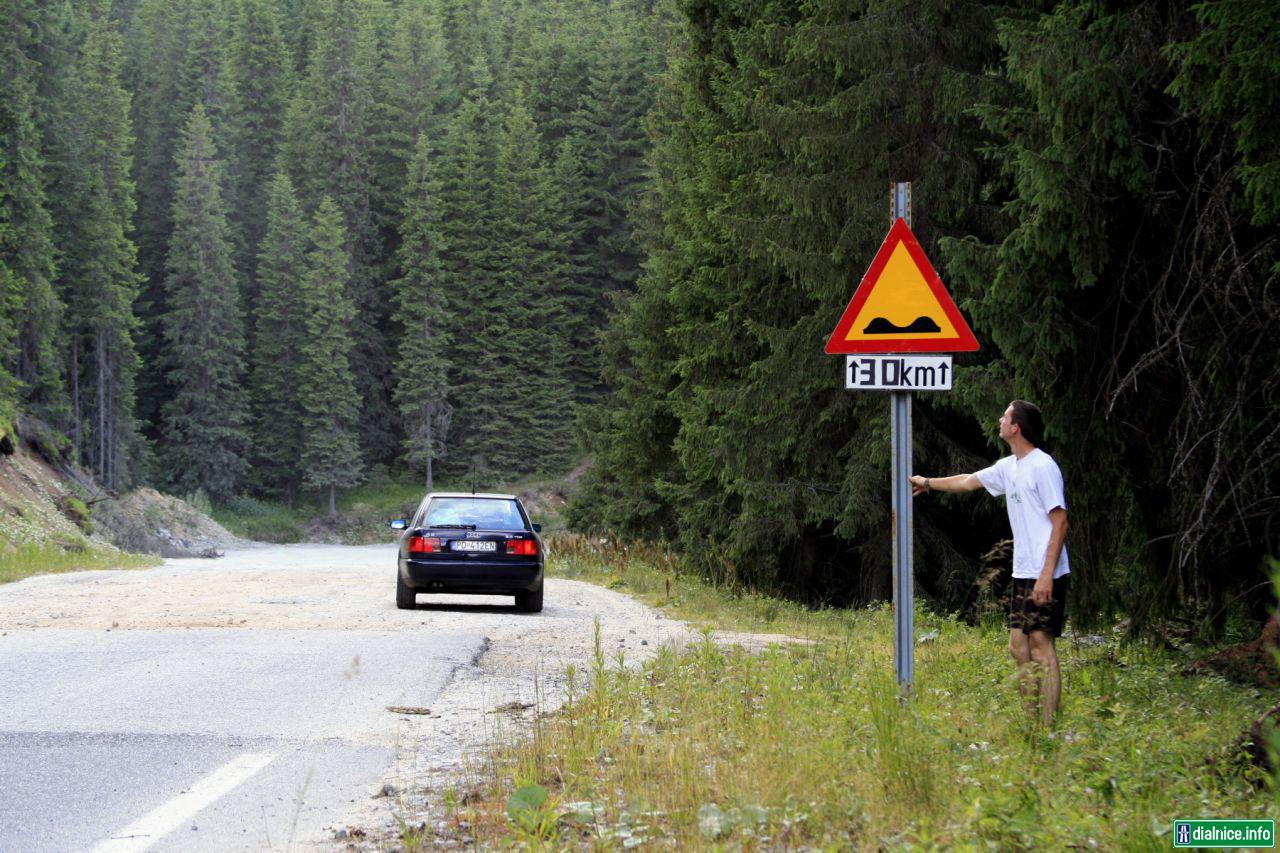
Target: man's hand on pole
<point>919,485</point>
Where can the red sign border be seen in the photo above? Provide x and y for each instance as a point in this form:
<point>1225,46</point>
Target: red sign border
<point>901,233</point>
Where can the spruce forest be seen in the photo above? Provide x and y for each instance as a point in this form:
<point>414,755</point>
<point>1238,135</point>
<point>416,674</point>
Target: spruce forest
<point>271,247</point>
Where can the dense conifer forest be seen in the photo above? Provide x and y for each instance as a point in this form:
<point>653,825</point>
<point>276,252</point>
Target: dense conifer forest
<point>270,247</point>
<point>264,246</point>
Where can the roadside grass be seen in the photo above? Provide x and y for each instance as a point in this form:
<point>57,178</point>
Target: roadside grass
<point>649,573</point>
<point>261,521</point>
<point>812,746</point>
<point>29,559</point>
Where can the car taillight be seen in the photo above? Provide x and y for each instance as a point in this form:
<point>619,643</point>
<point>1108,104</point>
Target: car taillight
<point>522,547</point>
<point>424,544</point>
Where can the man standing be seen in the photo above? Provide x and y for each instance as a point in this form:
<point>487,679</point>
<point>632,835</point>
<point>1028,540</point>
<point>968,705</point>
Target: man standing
<point>1032,486</point>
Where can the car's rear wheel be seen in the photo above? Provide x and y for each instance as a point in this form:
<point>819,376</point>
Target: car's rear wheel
<point>530,602</point>
<point>406,597</point>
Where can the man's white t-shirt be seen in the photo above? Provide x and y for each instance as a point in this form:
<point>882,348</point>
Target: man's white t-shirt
<point>1032,486</point>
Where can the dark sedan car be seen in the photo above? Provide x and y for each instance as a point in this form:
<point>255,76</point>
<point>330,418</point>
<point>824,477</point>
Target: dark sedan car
<point>470,543</point>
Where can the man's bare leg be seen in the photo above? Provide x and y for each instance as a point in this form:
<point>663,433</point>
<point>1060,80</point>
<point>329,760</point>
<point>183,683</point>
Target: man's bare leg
<point>1020,648</point>
<point>1045,654</point>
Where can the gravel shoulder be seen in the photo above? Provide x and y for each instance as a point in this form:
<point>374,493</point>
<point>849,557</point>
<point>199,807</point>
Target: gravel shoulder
<point>521,673</point>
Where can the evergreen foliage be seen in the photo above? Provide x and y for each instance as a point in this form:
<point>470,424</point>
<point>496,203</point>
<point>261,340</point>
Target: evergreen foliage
<point>26,239</point>
<point>422,387</point>
<point>337,93</point>
<point>1226,72</point>
<point>279,333</point>
<point>10,299</point>
<point>329,139</point>
<point>179,57</point>
<point>259,64</point>
<point>98,277</point>
<point>466,247</point>
<point>648,217</point>
<point>1128,240</point>
<point>609,140</point>
<point>1081,213</point>
<point>774,134</point>
<point>158,54</point>
<point>205,419</point>
<point>417,90</point>
<point>522,326</point>
<point>326,392</point>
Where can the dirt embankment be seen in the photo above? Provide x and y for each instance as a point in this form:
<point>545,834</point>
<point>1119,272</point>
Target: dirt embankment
<point>35,503</point>
<point>151,523</point>
<point>47,501</point>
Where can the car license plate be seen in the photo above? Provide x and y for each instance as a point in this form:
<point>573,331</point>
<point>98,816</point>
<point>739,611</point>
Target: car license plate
<point>474,545</point>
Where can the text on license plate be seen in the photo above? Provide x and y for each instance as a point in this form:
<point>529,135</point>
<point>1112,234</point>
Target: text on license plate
<point>474,545</point>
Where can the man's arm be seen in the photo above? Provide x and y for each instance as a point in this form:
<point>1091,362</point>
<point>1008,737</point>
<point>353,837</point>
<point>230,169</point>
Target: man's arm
<point>1042,592</point>
<point>958,483</point>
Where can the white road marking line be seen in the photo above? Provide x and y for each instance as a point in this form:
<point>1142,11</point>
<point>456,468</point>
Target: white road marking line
<point>154,825</point>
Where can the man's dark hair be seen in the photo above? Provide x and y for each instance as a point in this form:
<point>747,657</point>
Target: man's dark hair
<point>1029,420</point>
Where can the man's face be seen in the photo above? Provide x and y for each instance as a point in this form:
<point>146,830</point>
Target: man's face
<point>1008,429</point>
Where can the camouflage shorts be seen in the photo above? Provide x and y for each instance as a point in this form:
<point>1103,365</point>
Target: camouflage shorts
<point>1027,616</point>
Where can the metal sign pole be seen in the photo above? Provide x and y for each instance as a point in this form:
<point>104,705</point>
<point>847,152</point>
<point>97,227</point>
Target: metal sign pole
<point>903,591</point>
<point>882,354</point>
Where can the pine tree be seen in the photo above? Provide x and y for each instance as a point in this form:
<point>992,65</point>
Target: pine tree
<point>280,327</point>
<point>301,20</point>
<point>1226,71</point>
<point>159,53</point>
<point>10,300</point>
<point>27,244</point>
<point>327,150</point>
<point>98,277</point>
<point>205,437</point>
<point>262,73</point>
<point>467,251</point>
<point>552,47</point>
<point>181,56</point>
<point>523,326</point>
<point>474,42</point>
<point>57,51</point>
<point>326,389</point>
<point>422,392</point>
<point>609,139</point>
<point>416,91</point>
<point>206,77</point>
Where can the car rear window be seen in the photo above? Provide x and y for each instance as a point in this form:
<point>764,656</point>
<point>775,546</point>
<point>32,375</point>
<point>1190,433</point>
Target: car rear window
<point>484,513</point>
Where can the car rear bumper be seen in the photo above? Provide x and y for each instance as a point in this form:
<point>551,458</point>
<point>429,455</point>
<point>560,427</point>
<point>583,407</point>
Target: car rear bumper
<point>471,576</point>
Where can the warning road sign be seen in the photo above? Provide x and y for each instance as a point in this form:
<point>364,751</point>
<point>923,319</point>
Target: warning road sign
<point>901,305</point>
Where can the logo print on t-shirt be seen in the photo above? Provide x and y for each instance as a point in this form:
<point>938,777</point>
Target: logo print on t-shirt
<point>1016,497</point>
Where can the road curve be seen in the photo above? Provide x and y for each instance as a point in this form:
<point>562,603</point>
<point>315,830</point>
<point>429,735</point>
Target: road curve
<point>242,703</point>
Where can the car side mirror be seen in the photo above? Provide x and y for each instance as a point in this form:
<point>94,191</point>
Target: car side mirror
<point>399,524</point>
<point>537,528</point>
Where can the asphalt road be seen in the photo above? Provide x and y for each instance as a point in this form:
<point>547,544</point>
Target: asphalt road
<point>127,723</point>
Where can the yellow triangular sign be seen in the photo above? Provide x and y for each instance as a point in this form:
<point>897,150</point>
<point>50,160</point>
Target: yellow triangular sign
<point>901,305</point>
